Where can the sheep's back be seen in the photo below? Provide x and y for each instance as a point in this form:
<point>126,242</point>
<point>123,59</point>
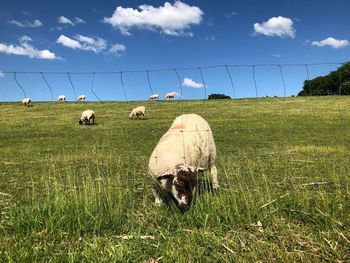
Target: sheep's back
<point>189,140</point>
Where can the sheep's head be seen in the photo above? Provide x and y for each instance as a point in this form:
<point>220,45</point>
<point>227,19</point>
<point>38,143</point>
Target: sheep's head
<point>81,121</point>
<point>183,180</point>
<point>131,115</point>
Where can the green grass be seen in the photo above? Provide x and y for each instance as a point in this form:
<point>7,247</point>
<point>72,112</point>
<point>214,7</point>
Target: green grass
<point>72,193</point>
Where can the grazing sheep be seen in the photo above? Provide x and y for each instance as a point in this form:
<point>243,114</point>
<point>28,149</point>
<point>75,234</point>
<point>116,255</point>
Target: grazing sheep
<point>154,97</point>
<point>81,98</point>
<point>86,116</point>
<point>170,95</point>
<point>27,102</point>
<point>61,98</point>
<point>137,112</point>
<point>183,152</point>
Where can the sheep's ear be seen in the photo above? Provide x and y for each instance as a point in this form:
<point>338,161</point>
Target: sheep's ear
<point>201,170</point>
<point>165,176</point>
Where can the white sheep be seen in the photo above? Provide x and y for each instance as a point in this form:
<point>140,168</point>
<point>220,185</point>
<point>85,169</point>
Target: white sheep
<point>154,97</point>
<point>137,112</point>
<point>27,102</point>
<point>86,116</point>
<point>61,98</point>
<point>170,95</point>
<point>81,98</point>
<point>184,151</point>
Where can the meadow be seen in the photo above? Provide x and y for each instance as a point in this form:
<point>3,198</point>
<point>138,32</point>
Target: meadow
<point>80,193</point>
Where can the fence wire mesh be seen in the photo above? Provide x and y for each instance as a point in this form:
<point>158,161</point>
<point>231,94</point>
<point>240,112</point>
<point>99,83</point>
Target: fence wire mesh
<point>269,131</point>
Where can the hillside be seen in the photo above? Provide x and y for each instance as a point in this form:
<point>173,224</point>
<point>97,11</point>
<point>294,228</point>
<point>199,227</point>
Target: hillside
<point>71,193</point>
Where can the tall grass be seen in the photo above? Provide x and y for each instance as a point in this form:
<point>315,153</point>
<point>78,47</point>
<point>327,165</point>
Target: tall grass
<point>71,193</point>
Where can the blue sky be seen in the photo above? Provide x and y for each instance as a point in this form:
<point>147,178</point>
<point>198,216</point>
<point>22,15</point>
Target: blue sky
<point>112,36</point>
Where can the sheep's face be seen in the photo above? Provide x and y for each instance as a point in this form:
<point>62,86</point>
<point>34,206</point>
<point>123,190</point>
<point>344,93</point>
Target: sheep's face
<point>131,115</point>
<point>183,180</point>
<point>81,121</point>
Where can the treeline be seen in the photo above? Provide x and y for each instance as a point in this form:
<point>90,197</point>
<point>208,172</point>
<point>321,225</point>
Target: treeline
<point>335,83</point>
<point>216,96</point>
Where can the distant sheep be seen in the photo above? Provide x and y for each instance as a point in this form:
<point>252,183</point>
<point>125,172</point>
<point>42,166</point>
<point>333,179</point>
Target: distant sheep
<point>137,112</point>
<point>170,95</point>
<point>86,116</point>
<point>154,97</point>
<point>27,102</point>
<point>81,98</point>
<point>183,152</point>
<point>61,98</point>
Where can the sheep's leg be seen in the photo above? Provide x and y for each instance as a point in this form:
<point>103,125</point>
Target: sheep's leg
<point>157,198</point>
<point>93,120</point>
<point>214,177</point>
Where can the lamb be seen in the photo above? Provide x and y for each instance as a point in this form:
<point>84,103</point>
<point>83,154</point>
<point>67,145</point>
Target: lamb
<point>137,112</point>
<point>183,152</point>
<point>154,97</point>
<point>61,98</point>
<point>27,102</point>
<point>86,116</point>
<point>81,98</point>
<point>170,95</point>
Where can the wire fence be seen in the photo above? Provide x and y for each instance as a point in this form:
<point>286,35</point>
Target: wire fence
<point>231,85</point>
<point>262,133</point>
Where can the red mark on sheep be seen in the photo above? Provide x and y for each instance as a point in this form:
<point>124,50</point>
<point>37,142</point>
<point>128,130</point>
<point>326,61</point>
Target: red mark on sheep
<point>165,136</point>
<point>177,127</point>
<point>172,129</point>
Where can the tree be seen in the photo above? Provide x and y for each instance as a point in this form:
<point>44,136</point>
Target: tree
<point>215,96</point>
<point>335,83</point>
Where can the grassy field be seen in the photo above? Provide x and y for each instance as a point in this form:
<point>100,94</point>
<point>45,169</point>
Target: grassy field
<point>72,193</point>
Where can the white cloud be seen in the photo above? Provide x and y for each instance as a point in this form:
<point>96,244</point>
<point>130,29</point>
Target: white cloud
<point>117,48</point>
<point>94,44</point>
<point>85,39</point>
<point>187,82</point>
<point>83,42</point>
<point>78,20</point>
<point>26,49</point>
<point>68,42</point>
<point>2,74</point>
<point>25,39</point>
<point>65,20</point>
<point>276,26</point>
<point>169,19</point>
<point>36,23</point>
<point>211,38</point>
<point>57,28</point>
<point>276,55</point>
<point>332,42</point>
<point>177,93</point>
<point>229,15</point>
<point>27,13</point>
